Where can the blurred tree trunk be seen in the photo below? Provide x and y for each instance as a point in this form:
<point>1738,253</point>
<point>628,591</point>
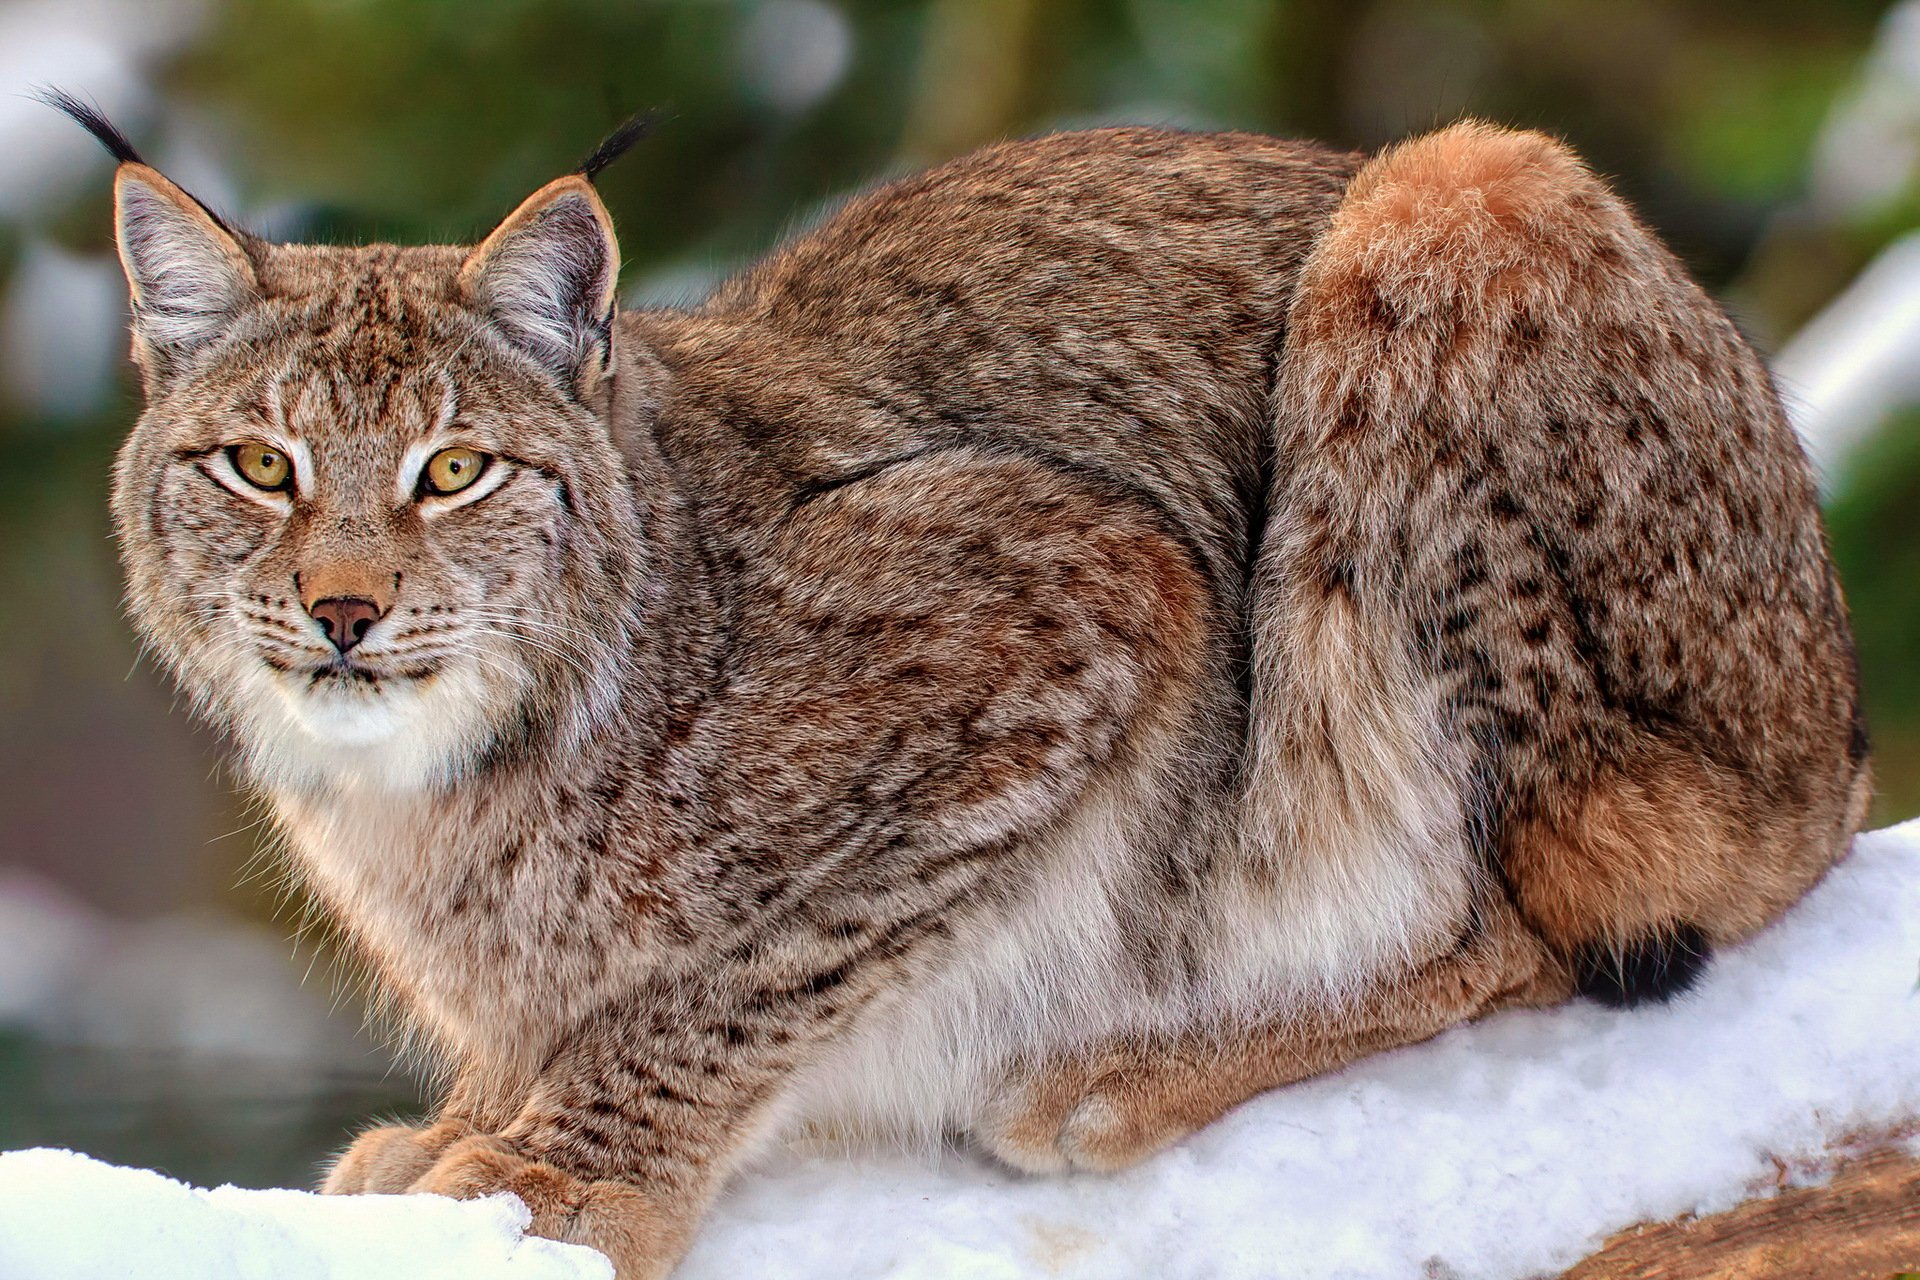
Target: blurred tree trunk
<point>1308,46</point>
<point>976,76</point>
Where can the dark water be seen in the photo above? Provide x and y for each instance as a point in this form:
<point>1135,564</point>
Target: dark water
<point>204,1120</point>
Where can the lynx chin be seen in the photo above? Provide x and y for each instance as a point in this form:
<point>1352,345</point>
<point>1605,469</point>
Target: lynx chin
<point>1110,625</point>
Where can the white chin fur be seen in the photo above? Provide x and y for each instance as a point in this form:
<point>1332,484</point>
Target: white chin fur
<point>400,735</point>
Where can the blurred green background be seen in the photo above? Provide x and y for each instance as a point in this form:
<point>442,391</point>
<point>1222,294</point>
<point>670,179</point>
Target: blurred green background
<point>154,1007</point>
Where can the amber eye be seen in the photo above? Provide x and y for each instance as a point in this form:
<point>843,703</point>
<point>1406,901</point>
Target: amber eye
<point>262,466</point>
<point>451,470</point>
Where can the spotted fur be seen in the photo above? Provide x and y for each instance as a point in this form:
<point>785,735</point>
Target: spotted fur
<point>1106,626</point>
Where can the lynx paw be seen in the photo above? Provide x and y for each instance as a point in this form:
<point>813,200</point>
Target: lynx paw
<point>1091,1118</point>
<point>388,1160</point>
<point>616,1218</point>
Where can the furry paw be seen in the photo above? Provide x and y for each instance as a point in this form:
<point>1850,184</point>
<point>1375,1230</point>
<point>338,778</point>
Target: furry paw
<point>617,1218</point>
<point>388,1160</point>
<point>1096,1118</point>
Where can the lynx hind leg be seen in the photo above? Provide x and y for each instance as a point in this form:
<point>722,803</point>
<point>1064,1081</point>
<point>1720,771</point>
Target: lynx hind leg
<point>1110,1108</point>
<point>1608,548</point>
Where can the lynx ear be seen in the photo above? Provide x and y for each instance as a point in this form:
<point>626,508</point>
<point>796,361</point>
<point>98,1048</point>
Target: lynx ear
<point>188,275</point>
<point>546,275</point>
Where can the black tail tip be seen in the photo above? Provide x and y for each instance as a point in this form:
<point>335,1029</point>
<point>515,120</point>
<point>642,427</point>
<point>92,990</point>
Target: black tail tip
<point>92,119</point>
<point>1648,970</point>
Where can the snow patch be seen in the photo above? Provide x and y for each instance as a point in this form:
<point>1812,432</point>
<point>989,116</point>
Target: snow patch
<point>1498,1151</point>
<point>1857,363</point>
<point>66,1216</point>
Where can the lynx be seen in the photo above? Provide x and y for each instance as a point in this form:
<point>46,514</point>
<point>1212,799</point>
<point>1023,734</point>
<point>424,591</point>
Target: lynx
<point>1111,625</point>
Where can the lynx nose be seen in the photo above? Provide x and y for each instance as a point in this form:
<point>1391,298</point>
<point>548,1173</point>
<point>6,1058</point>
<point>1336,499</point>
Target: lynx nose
<point>345,619</point>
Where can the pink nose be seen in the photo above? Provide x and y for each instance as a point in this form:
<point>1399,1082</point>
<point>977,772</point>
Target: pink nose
<point>345,619</point>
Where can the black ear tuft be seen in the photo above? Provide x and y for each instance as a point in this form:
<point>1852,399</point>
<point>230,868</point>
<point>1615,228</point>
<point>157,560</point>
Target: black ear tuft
<point>95,122</point>
<point>92,119</point>
<point>617,144</point>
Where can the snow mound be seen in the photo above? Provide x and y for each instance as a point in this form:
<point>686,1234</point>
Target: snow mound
<point>66,1217</point>
<point>1498,1151</point>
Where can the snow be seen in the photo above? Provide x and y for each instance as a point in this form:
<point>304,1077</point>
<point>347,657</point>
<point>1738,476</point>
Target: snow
<point>102,48</point>
<point>1868,153</point>
<point>48,935</point>
<point>195,984</point>
<point>1858,362</point>
<point>67,1216</point>
<point>1502,1150</point>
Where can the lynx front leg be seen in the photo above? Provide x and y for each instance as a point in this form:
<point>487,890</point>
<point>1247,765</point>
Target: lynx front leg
<point>388,1159</point>
<point>1022,635</point>
<point>628,1130</point>
<point>643,1230</point>
<point>1111,1109</point>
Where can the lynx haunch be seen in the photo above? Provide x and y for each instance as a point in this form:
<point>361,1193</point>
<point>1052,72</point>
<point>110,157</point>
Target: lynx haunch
<point>1105,627</point>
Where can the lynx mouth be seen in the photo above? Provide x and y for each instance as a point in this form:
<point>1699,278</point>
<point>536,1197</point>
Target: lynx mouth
<point>354,703</point>
<point>344,672</point>
<point>391,720</point>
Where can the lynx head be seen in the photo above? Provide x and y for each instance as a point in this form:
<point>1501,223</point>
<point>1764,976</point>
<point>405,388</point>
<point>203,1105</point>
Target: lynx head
<point>372,517</point>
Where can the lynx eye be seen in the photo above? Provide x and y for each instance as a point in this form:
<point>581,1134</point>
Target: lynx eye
<point>262,466</point>
<point>451,470</point>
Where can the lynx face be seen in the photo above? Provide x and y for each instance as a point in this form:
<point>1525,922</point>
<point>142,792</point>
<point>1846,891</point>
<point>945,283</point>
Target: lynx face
<point>371,522</point>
